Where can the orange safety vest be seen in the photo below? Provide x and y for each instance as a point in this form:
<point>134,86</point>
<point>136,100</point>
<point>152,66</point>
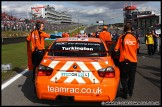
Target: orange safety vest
<point>37,39</point>
<point>66,35</point>
<point>105,36</point>
<point>34,39</point>
<point>128,48</point>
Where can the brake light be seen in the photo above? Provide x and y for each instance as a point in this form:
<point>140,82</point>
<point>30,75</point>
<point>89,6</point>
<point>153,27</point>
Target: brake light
<point>107,72</point>
<point>44,70</point>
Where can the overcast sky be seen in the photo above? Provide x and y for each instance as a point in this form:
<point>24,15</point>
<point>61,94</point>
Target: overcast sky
<point>88,12</point>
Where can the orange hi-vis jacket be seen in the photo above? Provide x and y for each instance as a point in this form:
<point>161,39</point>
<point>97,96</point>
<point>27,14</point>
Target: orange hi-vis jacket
<point>129,48</point>
<point>65,35</point>
<point>105,36</point>
<point>37,40</point>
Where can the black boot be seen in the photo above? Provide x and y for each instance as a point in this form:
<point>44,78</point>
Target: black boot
<point>126,96</point>
<point>130,94</point>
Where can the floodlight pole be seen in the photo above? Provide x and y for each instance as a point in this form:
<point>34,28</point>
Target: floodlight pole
<point>103,22</point>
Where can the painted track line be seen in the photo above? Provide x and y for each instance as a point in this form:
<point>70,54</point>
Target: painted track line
<point>13,79</point>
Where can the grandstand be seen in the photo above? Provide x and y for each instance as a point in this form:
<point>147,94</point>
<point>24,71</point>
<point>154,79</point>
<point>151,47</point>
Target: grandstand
<point>50,15</point>
<point>9,22</point>
<point>53,21</point>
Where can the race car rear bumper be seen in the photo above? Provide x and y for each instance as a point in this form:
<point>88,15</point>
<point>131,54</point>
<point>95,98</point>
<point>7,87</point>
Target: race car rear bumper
<point>105,91</point>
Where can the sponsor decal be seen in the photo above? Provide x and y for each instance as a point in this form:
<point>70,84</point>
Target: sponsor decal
<point>97,90</point>
<point>77,48</point>
<point>76,74</point>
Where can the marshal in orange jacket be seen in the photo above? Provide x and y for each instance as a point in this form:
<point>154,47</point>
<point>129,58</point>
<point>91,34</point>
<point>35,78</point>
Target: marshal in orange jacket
<point>105,36</point>
<point>36,41</point>
<point>129,50</point>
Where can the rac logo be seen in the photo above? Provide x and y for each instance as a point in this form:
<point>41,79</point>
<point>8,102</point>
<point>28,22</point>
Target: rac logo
<point>128,42</point>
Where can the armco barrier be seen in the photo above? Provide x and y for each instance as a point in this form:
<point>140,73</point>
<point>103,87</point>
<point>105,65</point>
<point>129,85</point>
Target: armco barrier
<point>13,40</point>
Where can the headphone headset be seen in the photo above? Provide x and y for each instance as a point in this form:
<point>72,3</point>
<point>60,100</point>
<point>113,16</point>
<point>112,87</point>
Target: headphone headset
<point>38,25</point>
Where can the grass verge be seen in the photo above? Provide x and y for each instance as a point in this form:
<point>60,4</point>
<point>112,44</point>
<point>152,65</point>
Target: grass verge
<point>16,55</point>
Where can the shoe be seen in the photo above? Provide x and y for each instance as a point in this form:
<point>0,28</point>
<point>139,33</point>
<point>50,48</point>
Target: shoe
<point>130,94</point>
<point>126,96</point>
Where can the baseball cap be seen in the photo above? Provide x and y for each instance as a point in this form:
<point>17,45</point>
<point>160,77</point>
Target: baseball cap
<point>104,27</point>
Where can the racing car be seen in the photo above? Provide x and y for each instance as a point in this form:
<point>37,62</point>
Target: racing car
<point>78,69</point>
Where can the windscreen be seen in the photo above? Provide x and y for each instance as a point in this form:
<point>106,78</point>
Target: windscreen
<point>78,49</point>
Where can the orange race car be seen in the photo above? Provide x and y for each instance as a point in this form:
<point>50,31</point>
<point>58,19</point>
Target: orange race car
<point>78,69</point>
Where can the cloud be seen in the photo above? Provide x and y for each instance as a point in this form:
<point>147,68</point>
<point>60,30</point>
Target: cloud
<point>5,8</point>
<point>93,11</point>
<point>109,4</point>
<point>58,7</point>
<point>155,8</point>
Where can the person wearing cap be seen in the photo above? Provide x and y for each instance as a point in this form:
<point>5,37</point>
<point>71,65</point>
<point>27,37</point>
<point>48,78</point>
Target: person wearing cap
<point>105,35</point>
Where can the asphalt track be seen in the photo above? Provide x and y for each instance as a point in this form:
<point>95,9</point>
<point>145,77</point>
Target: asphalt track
<point>147,91</point>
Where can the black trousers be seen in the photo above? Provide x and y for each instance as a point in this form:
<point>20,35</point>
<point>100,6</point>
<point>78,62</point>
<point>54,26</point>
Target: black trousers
<point>127,76</point>
<point>37,57</point>
<point>150,49</point>
<point>155,46</point>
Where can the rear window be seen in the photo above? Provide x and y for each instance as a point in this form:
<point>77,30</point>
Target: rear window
<point>78,49</point>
